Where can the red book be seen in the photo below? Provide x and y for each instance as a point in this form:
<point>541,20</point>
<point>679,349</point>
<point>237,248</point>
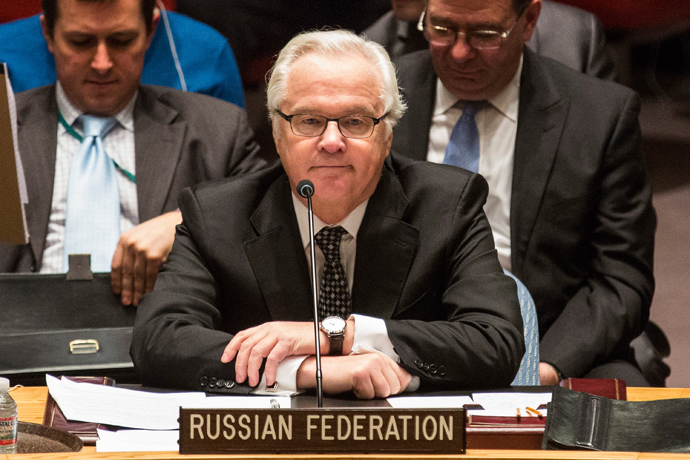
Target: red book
<point>54,417</point>
<point>608,388</point>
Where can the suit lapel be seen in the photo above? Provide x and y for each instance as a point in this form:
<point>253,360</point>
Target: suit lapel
<point>37,132</point>
<point>541,119</point>
<point>385,250</point>
<point>277,256</point>
<point>158,141</point>
<point>419,90</point>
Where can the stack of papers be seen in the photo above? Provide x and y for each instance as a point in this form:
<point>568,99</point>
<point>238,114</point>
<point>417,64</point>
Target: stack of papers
<point>154,415</point>
<point>487,404</point>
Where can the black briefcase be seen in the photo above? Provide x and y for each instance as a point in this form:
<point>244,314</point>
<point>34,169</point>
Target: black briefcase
<point>51,325</point>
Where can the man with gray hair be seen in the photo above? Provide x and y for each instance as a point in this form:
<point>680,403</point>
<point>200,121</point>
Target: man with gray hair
<point>410,288</point>
<point>569,200</point>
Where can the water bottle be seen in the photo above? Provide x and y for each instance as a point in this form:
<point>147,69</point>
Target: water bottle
<point>8,419</point>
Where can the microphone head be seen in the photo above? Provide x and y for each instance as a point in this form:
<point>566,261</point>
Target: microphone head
<point>305,188</point>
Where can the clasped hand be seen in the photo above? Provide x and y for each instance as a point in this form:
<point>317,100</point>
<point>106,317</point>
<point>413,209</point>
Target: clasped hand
<point>139,254</point>
<point>367,375</point>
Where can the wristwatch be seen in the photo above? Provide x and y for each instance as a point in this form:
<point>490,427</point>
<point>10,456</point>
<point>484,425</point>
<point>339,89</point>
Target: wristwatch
<point>334,327</point>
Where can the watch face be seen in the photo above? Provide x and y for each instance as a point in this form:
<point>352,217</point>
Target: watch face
<point>333,324</point>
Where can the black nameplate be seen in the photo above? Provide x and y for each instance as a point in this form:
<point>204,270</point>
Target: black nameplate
<point>276,431</point>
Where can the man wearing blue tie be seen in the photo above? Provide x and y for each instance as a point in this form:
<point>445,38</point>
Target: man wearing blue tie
<point>105,157</point>
<point>569,200</point>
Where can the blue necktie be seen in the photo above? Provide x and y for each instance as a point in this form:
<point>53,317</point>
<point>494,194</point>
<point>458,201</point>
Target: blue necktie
<point>463,148</point>
<point>92,225</point>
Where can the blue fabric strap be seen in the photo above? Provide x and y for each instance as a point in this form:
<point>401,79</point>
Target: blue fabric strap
<point>92,224</point>
<point>463,148</point>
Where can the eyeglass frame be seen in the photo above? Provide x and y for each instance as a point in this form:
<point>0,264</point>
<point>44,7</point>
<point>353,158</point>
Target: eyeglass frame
<point>289,118</point>
<point>503,35</point>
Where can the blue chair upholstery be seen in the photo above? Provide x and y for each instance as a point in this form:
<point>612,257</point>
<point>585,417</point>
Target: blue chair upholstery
<point>528,374</point>
<point>184,54</point>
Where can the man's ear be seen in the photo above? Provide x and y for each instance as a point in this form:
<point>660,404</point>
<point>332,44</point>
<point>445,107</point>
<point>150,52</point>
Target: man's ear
<point>531,15</point>
<point>276,138</point>
<point>46,34</point>
<point>154,24</point>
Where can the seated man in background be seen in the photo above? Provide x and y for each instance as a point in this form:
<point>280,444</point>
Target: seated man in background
<point>111,191</point>
<point>569,198</point>
<point>567,34</point>
<point>407,267</point>
<point>184,54</point>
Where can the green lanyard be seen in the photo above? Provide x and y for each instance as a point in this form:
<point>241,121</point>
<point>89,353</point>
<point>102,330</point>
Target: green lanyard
<point>70,130</point>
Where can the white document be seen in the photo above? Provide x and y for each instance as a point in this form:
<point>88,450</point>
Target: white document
<point>429,402</point>
<point>510,404</point>
<point>138,441</point>
<point>88,402</point>
<point>109,405</point>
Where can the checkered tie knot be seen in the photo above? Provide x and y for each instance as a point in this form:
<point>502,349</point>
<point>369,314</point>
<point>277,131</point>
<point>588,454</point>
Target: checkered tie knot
<point>334,296</point>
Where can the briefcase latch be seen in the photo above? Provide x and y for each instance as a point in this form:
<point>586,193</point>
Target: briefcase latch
<point>82,347</point>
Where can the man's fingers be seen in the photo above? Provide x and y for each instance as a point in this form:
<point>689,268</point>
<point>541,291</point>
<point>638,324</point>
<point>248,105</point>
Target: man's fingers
<point>244,354</point>
<point>379,377</point>
<point>128,261</point>
<point>152,268</point>
<point>231,348</point>
<point>274,358</point>
<point>116,269</point>
<point>235,343</point>
<point>374,382</point>
<point>404,378</point>
<point>255,358</point>
<point>139,281</point>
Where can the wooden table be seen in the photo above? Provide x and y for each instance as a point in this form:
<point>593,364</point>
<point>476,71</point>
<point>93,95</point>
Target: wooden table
<point>31,403</point>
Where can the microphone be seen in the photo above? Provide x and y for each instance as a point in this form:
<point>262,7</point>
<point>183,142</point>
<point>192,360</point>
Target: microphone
<point>305,188</point>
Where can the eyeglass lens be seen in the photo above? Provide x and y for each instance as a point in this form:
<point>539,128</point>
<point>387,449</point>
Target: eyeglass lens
<point>315,125</point>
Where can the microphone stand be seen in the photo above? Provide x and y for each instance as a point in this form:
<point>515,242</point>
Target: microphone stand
<point>306,189</point>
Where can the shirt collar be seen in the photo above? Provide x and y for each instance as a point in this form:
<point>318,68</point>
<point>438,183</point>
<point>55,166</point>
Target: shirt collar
<point>505,101</point>
<point>70,112</point>
<point>351,223</point>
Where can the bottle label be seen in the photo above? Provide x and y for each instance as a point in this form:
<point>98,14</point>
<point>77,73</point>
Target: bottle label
<point>8,431</point>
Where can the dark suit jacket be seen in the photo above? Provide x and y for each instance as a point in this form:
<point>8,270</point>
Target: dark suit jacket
<point>565,33</point>
<point>581,218</point>
<point>425,263</point>
<point>181,139</point>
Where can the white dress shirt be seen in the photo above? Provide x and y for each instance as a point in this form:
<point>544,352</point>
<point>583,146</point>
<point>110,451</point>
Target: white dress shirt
<point>371,335</point>
<point>119,145</point>
<point>497,127</point>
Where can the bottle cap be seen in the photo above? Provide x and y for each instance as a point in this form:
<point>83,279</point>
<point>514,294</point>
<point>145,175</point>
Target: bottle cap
<point>4,384</point>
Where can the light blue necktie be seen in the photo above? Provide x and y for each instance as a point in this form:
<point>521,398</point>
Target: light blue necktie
<point>92,225</point>
<point>463,148</point>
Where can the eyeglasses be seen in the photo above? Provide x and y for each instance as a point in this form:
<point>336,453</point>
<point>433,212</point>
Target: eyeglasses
<point>350,126</point>
<point>479,39</point>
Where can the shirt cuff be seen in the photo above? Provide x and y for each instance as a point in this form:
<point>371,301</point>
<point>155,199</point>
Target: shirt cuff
<point>286,378</point>
<point>371,335</point>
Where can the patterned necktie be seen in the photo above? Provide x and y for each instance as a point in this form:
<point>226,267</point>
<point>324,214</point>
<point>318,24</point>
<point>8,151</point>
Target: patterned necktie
<point>334,296</point>
<point>92,225</point>
<point>463,148</point>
